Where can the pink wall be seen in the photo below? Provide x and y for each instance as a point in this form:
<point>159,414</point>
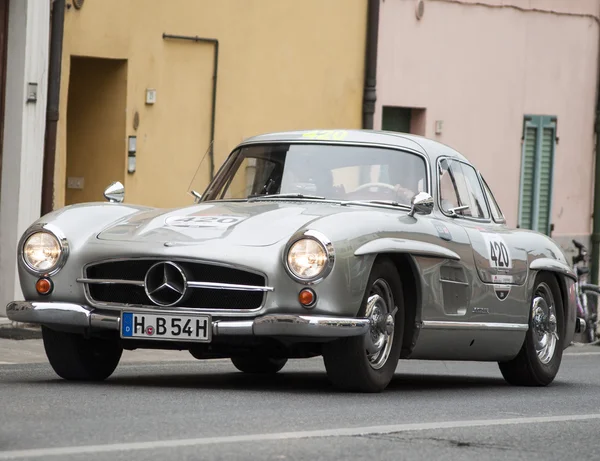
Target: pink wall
<point>481,69</point>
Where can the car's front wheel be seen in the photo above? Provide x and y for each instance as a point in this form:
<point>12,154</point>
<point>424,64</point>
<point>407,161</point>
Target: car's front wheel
<point>74,357</point>
<point>261,365</point>
<point>367,363</point>
<point>539,359</point>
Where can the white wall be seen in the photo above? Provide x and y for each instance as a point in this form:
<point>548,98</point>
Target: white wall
<point>24,126</point>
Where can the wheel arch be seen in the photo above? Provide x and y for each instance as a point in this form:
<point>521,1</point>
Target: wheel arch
<point>411,291</point>
<point>565,285</point>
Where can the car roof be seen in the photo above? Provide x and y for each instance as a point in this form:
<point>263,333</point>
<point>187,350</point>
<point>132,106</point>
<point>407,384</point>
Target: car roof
<point>429,147</point>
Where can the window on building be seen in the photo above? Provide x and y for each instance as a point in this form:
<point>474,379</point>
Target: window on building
<point>537,164</point>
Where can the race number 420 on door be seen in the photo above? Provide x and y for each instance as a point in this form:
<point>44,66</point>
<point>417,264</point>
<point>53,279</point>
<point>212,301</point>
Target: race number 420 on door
<point>498,253</point>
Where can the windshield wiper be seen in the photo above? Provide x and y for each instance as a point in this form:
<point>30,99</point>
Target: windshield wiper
<point>291,195</point>
<point>377,202</point>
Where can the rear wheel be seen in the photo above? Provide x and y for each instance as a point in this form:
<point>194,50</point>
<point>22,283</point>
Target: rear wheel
<point>367,363</point>
<point>74,357</point>
<point>262,365</point>
<point>539,359</point>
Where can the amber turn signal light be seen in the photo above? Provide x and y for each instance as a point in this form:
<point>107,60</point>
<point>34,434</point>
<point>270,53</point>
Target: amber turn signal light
<point>307,297</point>
<point>43,286</point>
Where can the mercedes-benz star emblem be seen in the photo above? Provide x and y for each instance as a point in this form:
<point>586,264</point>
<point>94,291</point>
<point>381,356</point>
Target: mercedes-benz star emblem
<point>165,283</point>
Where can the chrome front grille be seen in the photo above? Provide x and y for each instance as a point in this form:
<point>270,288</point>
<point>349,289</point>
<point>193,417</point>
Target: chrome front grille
<point>205,286</point>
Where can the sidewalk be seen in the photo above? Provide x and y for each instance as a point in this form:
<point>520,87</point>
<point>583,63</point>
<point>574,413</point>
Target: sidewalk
<point>16,330</point>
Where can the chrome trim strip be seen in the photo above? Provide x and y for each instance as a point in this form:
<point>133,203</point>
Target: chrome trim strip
<point>447,325</point>
<point>206,285</point>
<point>455,282</point>
<point>232,327</point>
<point>70,316</point>
<point>228,286</point>
<point>308,325</point>
<point>139,283</point>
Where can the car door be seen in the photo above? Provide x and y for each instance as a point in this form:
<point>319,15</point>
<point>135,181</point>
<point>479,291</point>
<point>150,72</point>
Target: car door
<point>499,261</point>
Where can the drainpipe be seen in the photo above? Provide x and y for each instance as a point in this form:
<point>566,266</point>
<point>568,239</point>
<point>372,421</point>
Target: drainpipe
<point>370,94</point>
<point>596,214</point>
<point>215,42</point>
<point>57,22</point>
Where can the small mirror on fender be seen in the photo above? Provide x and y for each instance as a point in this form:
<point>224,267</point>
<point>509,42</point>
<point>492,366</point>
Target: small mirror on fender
<point>421,203</point>
<point>115,193</point>
<point>197,196</point>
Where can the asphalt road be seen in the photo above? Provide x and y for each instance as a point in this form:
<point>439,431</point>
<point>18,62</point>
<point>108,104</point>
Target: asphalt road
<point>206,410</point>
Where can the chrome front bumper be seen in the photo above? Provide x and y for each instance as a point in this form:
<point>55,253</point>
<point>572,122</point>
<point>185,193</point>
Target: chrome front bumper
<point>77,316</point>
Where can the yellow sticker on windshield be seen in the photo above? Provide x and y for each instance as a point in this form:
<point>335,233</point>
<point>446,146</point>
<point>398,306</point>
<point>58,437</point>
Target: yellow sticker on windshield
<point>326,135</point>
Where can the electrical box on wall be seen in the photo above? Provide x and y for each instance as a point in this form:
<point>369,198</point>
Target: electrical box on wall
<point>150,96</point>
<point>75,182</point>
<point>439,125</point>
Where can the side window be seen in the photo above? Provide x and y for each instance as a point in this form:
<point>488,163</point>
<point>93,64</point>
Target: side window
<point>467,189</point>
<point>447,187</point>
<point>496,212</point>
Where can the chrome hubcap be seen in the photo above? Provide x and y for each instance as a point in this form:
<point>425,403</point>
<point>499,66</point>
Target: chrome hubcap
<point>543,313</point>
<point>381,313</point>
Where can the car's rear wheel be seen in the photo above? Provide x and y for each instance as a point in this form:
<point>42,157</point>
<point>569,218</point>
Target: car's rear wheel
<point>259,365</point>
<point>539,359</point>
<point>74,357</point>
<point>367,363</point>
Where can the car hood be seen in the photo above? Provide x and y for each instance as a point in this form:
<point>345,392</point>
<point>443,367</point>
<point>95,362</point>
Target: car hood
<point>259,223</point>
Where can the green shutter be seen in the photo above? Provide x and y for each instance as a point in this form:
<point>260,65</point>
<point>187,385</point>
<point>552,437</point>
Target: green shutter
<point>527,177</point>
<point>535,205</point>
<point>545,180</point>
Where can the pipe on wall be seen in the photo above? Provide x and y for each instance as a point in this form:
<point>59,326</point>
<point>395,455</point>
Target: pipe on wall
<point>370,93</point>
<point>215,42</point>
<point>57,22</point>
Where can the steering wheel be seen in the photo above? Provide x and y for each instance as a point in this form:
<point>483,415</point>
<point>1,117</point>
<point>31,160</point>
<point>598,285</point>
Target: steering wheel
<point>378,185</point>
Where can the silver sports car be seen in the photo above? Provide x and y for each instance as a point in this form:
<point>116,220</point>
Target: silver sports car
<point>363,247</point>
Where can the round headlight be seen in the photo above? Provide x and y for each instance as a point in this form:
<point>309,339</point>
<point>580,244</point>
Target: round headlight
<point>42,251</point>
<point>307,259</point>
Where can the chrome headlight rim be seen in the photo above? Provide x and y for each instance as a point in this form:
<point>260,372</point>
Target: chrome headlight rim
<point>62,243</point>
<point>327,246</point>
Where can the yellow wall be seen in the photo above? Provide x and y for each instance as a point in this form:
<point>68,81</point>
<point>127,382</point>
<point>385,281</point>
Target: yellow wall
<point>283,64</point>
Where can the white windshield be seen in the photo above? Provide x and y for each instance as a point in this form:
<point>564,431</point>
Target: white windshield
<point>332,172</point>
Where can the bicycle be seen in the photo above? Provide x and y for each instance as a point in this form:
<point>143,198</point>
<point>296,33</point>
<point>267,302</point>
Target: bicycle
<point>587,306</point>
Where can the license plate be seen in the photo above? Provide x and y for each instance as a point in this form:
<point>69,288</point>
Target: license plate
<point>166,326</point>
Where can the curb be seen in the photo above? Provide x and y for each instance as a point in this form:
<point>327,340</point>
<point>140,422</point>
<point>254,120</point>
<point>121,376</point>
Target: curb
<point>18,330</point>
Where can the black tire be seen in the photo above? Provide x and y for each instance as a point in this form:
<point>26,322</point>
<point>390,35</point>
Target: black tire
<point>74,357</point>
<point>346,359</point>
<point>258,365</point>
<point>527,368</point>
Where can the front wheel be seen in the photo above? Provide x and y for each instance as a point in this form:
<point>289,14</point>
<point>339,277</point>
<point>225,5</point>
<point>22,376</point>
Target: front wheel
<point>539,359</point>
<point>261,365</point>
<point>367,363</point>
<point>74,357</point>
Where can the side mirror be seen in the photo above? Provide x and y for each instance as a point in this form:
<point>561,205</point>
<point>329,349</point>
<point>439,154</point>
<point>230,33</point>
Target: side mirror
<point>197,196</point>
<point>421,203</point>
<point>115,193</point>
